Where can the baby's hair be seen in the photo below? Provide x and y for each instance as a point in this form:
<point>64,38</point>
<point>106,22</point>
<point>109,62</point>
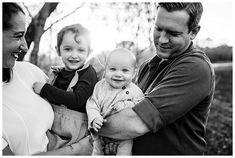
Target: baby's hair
<point>77,29</point>
<point>124,51</point>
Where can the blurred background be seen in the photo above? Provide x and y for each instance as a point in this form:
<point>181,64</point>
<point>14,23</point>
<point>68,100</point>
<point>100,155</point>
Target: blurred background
<point>129,24</point>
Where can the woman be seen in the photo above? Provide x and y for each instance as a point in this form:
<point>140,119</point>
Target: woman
<point>26,116</point>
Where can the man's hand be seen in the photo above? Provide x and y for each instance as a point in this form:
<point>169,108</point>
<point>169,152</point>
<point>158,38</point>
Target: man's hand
<point>97,123</point>
<point>37,87</point>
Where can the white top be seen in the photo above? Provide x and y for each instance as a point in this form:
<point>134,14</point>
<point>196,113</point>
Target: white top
<point>106,100</point>
<point>26,116</point>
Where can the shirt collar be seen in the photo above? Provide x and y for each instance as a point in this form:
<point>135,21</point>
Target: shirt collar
<point>156,60</point>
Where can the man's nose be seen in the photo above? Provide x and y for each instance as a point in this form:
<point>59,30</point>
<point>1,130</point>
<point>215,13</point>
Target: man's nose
<point>163,38</point>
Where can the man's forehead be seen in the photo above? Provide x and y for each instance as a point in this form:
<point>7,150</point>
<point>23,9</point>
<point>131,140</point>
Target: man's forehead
<point>172,20</point>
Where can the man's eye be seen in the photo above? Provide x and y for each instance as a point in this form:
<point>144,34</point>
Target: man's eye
<point>112,69</point>
<point>174,34</point>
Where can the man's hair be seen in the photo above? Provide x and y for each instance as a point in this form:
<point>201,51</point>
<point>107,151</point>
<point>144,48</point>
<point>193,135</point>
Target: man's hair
<point>78,30</point>
<point>193,9</point>
<point>9,9</point>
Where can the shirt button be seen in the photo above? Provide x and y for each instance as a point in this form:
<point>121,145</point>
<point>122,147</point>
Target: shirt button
<point>127,92</point>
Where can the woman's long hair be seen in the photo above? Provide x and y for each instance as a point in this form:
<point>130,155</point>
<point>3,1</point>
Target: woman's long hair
<point>9,10</point>
<point>6,74</point>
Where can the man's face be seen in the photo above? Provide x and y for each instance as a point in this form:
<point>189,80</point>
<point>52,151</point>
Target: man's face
<point>171,36</point>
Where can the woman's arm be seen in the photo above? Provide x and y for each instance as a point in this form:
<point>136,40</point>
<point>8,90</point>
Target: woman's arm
<point>83,147</point>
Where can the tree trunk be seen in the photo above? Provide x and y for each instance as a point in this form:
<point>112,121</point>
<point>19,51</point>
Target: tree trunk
<point>36,29</point>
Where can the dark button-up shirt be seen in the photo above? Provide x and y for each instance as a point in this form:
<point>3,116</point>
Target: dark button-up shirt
<point>178,97</point>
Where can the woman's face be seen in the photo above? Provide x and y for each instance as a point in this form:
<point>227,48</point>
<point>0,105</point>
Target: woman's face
<point>13,40</point>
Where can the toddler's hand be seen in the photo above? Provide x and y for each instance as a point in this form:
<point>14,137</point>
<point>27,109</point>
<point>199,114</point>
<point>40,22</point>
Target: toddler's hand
<point>37,87</point>
<point>97,123</point>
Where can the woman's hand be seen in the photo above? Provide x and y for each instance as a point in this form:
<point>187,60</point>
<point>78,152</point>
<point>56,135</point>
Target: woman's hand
<point>37,87</point>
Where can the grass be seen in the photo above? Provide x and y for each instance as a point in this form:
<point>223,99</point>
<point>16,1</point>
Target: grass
<point>219,126</point>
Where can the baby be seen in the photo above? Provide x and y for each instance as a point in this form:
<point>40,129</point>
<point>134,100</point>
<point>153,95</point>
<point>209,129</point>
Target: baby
<point>112,94</point>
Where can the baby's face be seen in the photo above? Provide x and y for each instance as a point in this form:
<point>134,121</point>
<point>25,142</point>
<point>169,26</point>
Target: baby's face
<point>119,71</point>
<point>74,53</point>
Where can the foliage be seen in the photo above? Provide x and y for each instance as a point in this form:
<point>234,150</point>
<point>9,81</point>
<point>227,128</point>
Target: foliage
<point>219,126</point>
<point>218,54</point>
<point>131,18</point>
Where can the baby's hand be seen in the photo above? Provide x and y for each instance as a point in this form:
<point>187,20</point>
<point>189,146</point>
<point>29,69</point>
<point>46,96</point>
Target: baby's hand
<point>37,87</point>
<point>97,123</point>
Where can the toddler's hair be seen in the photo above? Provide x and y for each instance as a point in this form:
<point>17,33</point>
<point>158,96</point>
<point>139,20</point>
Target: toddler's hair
<point>77,29</point>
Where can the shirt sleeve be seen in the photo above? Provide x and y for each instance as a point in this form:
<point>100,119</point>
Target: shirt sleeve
<point>92,106</point>
<point>182,88</point>
<point>76,99</point>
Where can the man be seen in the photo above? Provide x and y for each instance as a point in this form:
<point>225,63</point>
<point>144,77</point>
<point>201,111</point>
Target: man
<point>179,86</point>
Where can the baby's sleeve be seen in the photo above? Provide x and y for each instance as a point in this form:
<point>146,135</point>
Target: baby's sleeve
<point>92,106</point>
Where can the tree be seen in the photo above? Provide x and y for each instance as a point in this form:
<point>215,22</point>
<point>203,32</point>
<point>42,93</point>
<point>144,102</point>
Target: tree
<point>135,18</point>
<point>36,29</point>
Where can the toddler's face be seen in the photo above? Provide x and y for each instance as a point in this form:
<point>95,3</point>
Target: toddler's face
<point>74,53</point>
<point>119,71</point>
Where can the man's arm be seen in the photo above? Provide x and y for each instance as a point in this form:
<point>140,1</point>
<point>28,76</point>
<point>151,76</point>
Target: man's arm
<point>125,124</point>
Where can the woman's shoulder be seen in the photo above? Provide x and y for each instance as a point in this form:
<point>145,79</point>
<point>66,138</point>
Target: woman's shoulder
<point>25,65</point>
<point>28,68</point>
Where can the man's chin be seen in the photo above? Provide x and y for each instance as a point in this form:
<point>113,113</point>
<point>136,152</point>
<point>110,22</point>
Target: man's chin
<point>163,55</point>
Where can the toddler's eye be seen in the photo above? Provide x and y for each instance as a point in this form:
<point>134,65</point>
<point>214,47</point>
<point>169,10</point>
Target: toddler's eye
<point>112,69</point>
<point>67,49</point>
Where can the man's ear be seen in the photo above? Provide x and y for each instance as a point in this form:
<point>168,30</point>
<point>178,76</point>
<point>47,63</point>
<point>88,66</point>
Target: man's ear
<point>193,33</point>
<point>57,50</point>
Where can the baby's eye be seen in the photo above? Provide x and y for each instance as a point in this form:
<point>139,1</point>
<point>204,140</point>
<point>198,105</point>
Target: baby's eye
<point>125,70</point>
<point>81,50</point>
